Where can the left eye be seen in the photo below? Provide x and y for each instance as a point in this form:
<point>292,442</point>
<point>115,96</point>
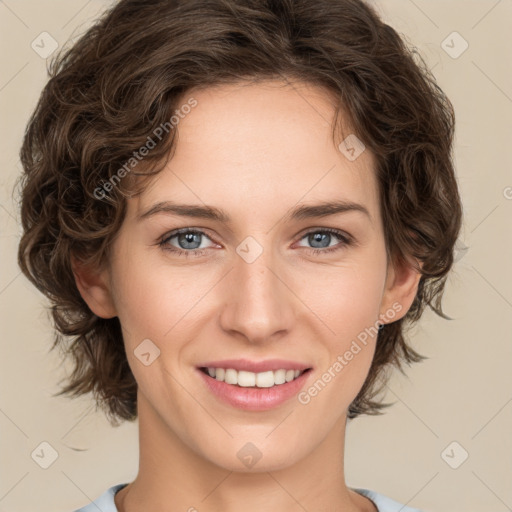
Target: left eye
<point>189,241</point>
<point>321,237</point>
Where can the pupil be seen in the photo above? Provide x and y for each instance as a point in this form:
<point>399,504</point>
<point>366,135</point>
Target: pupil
<point>318,236</point>
<point>189,239</point>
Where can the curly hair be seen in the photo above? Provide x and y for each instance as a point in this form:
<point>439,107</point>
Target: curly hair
<point>125,75</point>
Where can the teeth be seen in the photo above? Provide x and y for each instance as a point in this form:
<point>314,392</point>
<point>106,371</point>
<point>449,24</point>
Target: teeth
<point>244,379</point>
<point>231,377</point>
<point>265,379</point>
<point>250,379</point>
<point>280,376</point>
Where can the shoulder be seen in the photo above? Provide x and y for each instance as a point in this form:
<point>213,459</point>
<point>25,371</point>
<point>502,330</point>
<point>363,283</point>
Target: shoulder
<point>105,502</point>
<point>383,503</point>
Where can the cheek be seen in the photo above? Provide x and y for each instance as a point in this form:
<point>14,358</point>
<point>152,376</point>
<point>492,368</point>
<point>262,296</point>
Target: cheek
<point>149,298</point>
<point>347,299</point>
<point>348,305</point>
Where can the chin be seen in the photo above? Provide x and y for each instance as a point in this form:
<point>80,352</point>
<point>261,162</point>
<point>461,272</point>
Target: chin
<point>254,457</point>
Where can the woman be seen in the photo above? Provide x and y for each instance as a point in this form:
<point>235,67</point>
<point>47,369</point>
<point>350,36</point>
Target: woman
<point>236,208</point>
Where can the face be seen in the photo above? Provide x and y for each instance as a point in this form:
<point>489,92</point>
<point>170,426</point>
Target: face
<point>261,284</point>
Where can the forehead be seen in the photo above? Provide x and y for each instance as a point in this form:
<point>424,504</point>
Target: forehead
<point>257,146</point>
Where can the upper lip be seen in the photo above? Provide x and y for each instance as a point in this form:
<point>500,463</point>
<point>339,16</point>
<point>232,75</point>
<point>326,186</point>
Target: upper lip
<point>255,366</point>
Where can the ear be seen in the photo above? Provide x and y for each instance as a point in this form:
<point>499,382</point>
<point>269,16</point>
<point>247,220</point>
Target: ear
<point>400,289</point>
<point>94,287</point>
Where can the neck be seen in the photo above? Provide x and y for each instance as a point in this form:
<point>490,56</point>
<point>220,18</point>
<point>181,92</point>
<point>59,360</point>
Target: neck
<point>173,477</point>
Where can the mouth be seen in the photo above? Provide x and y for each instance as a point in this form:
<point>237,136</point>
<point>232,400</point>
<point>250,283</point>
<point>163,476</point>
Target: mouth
<point>246,379</point>
<point>258,390</point>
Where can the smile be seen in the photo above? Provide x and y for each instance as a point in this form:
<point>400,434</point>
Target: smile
<point>247,379</point>
<point>253,391</point>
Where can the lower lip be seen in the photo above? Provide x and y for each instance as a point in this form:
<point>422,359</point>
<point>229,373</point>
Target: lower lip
<point>254,399</point>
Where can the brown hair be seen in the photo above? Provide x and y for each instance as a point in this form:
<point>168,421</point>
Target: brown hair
<point>122,80</point>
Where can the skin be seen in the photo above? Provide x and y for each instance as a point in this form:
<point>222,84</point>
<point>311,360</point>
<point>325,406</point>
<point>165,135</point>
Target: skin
<point>256,151</point>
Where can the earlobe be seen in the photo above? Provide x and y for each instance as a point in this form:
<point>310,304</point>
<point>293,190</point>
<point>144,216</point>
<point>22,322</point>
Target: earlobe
<point>94,287</point>
<point>401,288</point>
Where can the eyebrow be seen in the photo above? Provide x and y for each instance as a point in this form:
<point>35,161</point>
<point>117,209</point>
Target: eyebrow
<point>301,212</point>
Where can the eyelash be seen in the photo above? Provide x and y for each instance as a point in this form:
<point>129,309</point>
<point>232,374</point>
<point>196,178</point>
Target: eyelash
<point>346,241</point>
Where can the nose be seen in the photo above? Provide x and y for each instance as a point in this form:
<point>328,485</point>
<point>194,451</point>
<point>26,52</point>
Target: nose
<point>260,305</point>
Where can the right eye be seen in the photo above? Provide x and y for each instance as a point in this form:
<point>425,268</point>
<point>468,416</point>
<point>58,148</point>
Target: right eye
<point>188,238</point>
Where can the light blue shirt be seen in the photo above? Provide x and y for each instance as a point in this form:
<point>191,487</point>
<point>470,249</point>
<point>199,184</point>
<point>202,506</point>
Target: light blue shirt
<point>105,503</point>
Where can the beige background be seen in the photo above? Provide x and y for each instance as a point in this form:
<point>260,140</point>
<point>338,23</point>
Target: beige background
<point>463,393</point>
